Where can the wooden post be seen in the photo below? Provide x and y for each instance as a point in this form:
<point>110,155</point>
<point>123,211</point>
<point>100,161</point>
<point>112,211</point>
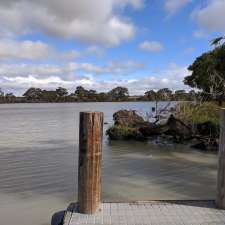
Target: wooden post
<point>220,200</point>
<point>90,155</point>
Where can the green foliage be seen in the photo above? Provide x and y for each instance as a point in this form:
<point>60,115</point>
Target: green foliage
<point>208,71</point>
<point>198,113</point>
<point>33,93</point>
<point>61,92</point>
<point>1,93</point>
<point>81,92</point>
<point>49,96</point>
<point>119,93</point>
<point>123,132</point>
<point>217,41</point>
<point>83,95</point>
<point>151,95</point>
<point>165,94</point>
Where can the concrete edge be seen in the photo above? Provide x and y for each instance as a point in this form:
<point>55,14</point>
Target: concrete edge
<point>68,213</point>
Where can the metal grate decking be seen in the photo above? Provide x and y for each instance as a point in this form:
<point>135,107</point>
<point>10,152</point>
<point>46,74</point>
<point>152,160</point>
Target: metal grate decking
<point>150,213</point>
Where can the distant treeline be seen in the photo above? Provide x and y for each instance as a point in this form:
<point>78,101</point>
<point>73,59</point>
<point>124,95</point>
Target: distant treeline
<point>37,95</point>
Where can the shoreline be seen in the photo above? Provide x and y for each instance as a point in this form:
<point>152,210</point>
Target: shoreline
<point>5,103</point>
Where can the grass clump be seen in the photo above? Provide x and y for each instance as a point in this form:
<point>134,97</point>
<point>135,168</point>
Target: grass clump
<point>196,113</point>
<point>123,132</point>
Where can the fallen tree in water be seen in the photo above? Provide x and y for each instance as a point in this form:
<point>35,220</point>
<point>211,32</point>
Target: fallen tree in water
<point>129,125</point>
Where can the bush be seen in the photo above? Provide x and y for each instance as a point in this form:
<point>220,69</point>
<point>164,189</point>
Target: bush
<point>123,132</point>
<point>193,113</point>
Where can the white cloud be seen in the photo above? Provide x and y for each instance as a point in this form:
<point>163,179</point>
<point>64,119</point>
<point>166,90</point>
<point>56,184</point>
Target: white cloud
<point>20,84</point>
<point>212,16</point>
<point>67,70</point>
<point>189,50</point>
<point>11,49</point>
<point>172,6</point>
<point>172,77</point>
<point>50,77</point>
<point>94,50</point>
<point>151,46</point>
<point>199,34</point>
<point>92,21</point>
<point>13,70</point>
<point>112,67</point>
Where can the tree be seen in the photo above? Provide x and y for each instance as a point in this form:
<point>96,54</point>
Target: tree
<point>102,97</point>
<point>10,95</point>
<point>81,92</point>
<point>151,95</point>
<point>33,94</point>
<point>92,95</point>
<point>1,93</point>
<point>192,95</point>
<point>218,41</point>
<point>61,92</point>
<point>49,96</point>
<point>180,95</point>
<point>119,94</point>
<point>164,94</point>
<point>208,73</point>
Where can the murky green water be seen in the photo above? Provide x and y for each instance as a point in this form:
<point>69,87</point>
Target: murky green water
<point>38,163</point>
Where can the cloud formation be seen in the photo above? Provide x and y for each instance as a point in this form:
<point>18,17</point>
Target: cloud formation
<point>68,70</point>
<point>172,6</point>
<point>212,16</point>
<point>21,77</point>
<point>199,34</point>
<point>92,21</point>
<point>11,49</point>
<point>151,46</point>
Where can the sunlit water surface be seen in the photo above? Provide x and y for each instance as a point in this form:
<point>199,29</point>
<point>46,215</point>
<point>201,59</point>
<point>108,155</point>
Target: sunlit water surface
<point>39,153</point>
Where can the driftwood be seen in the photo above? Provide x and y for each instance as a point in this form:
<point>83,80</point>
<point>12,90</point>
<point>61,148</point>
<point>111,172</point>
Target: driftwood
<point>129,125</point>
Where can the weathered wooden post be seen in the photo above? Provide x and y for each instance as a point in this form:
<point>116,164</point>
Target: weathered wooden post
<point>90,155</point>
<point>220,200</point>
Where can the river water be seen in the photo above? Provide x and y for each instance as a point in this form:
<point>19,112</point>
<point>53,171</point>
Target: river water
<point>39,153</point>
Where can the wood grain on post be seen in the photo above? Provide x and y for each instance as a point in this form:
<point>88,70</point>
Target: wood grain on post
<point>90,155</point>
<point>220,200</point>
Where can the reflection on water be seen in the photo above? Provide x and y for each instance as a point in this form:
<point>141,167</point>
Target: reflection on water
<point>38,163</point>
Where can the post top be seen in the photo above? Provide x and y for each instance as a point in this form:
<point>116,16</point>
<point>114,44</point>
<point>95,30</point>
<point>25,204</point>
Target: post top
<point>91,112</point>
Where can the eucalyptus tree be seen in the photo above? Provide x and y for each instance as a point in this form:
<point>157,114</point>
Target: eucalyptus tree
<point>61,92</point>
<point>208,71</point>
<point>33,94</point>
<point>119,94</point>
<point>1,93</point>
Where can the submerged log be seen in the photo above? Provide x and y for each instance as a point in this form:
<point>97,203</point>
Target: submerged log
<point>178,129</point>
<point>129,125</point>
<point>127,118</point>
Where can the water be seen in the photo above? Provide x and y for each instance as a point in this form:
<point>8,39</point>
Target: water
<point>38,163</point>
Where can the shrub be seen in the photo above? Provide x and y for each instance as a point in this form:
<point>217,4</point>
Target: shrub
<point>123,132</point>
<point>194,113</point>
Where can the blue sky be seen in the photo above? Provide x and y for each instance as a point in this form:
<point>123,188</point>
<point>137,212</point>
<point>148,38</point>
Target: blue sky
<point>100,44</point>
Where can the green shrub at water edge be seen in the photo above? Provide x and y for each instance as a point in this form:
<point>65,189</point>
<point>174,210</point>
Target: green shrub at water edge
<point>198,113</point>
<point>119,132</point>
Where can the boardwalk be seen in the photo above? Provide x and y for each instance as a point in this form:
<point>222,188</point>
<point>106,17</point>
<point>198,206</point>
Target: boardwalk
<point>150,213</point>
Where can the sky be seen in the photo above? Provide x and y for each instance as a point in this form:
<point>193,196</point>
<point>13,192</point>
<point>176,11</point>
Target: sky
<point>101,44</point>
